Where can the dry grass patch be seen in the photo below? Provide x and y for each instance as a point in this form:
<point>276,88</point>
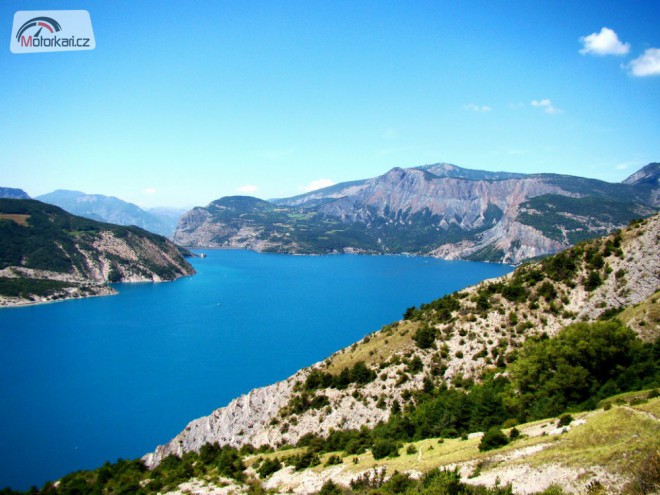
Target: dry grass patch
<point>15,217</point>
<point>617,439</point>
<point>644,317</point>
<point>376,348</point>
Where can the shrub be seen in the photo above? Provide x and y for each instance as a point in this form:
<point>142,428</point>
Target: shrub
<point>384,448</point>
<point>593,281</point>
<point>333,460</point>
<point>425,337</point>
<point>330,488</point>
<point>268,467</point>
<point>493,439</point>
<point>565,420</point>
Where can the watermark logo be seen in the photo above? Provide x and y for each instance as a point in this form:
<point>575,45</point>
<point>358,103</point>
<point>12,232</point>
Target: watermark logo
<point>52,31</point>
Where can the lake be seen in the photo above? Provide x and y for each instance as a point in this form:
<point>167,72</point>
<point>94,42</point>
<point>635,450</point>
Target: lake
<point>96,379</point>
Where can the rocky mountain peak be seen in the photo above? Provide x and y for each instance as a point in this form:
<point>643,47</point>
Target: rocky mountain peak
<point>650,174</point>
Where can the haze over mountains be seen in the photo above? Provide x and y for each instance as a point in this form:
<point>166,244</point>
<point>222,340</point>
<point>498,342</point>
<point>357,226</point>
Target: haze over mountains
<point>440,210</point>
<point>13,193</point>
<point>114,210</point>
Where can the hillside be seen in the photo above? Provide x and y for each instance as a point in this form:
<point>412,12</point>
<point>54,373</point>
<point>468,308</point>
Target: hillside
<point>450,342</point>
<point>47,254</point>
<point>439,210</point>
<point>111,210</point>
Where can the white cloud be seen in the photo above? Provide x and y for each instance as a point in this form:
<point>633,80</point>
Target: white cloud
<point>604,43</point>
<point>317,184</point>
<point>546,104</point>
<point>477,108</point>
<point>647,64</point>
<point>248,188</point>
<point>150,190</point>
<point>626,165</point>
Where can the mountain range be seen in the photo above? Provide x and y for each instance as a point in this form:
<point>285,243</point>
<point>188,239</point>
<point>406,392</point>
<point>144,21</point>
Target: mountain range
<point>440,210</point>
<point>114,210</point>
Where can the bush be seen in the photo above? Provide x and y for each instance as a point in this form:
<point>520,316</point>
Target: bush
<point>384,448</point>
<point>493,439</point>
<point>425,337</point>
<point>565,420</point>
<point>268,467</point>
<point>330,488</point>
<point>593,281</point>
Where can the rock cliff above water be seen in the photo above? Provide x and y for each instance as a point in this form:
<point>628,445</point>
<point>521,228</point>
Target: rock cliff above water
<point>47,254</point>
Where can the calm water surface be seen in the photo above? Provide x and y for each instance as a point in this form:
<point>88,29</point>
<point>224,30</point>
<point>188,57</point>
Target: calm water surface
<point>86,381</point>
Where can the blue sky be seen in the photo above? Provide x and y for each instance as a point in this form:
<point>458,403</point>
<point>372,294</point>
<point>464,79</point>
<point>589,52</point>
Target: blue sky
<point>184,102</point>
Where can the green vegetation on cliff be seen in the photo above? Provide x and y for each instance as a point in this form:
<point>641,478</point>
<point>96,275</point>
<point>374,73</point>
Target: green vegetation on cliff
<point>45,238</point>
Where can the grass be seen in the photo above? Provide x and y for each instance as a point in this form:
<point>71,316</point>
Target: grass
<point>625,398</point>
<point>644,317</point>
<point>21,220</point>
<point>652,406</point>
<point>617,439</point>
<point>376,348</point>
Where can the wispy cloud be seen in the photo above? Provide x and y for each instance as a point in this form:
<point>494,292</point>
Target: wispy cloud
<point>604,43</point>
<point>626,165</point>
<point>149,190</point>
<point>647,64</point>
<point>317,184</point>
<point>477,108</point>
<point>546,105</point>
<point>248,189</point>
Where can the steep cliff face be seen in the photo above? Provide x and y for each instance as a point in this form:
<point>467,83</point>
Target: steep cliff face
<point>439,210</point>
<point>47,254</point>
<point>581,284</point>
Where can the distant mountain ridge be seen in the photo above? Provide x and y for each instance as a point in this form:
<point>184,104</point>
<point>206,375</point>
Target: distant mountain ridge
<point>13,193</point>
<point>440,210</point>
<point>47,254</point>
<point>110,209</point>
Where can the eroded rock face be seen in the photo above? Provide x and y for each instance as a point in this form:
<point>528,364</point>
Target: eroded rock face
<point>439,210</point>
<point>244,420</point>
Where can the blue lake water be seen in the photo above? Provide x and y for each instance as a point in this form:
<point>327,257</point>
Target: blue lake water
<point>86,381</point>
